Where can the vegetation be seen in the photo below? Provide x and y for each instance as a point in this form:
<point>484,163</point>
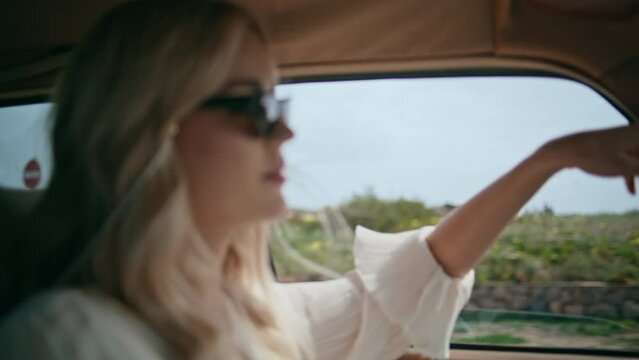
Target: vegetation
<point>388,215</point>
<point>539,247</point>
<point>532,329</point>
<point>495,339</point>
<point>544,247</point>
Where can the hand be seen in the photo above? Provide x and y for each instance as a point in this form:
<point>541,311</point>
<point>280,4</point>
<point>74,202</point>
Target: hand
<point>609,152</point>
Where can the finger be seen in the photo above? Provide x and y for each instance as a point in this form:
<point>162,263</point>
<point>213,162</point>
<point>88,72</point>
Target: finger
<point>630,184</point>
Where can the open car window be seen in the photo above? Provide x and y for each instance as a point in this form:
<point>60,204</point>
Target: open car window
<point>397,154</point>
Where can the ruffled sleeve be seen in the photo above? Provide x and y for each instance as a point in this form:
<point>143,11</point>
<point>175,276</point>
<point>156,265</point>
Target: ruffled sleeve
<point>402,276</point>
<point>397,296</point>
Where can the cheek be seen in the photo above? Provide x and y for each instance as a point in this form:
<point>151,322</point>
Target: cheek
<point>230,167</point>
<point>224,170</point>
<point>213,151</point>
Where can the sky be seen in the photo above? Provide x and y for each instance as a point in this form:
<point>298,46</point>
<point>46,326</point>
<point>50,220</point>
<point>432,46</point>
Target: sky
<point>441,140</point>
<point>437,140</point>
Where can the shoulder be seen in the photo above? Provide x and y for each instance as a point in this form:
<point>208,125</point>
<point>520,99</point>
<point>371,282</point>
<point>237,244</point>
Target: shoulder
<point>77,323</point>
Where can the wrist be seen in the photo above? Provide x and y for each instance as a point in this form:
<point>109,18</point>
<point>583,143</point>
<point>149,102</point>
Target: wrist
<point>552,157</point>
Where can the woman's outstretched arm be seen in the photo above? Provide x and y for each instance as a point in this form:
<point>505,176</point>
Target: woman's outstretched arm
<point>463,237</point>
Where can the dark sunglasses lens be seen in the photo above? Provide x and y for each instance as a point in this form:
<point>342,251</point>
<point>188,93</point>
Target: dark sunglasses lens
<point>265,111</point>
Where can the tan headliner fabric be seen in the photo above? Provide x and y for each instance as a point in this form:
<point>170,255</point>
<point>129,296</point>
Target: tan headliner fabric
<point>315,31</point>
<point>605,50</point>
<point>327,35</point>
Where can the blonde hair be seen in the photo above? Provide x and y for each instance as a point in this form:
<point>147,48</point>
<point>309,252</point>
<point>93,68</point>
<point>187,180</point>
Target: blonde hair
<point>144,66</point>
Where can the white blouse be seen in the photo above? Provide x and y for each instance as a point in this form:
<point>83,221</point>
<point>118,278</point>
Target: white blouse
<point>397,296</point>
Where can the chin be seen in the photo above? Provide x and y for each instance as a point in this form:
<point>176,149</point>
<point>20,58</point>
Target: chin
<point>276,208</point>
<point>280,211</point>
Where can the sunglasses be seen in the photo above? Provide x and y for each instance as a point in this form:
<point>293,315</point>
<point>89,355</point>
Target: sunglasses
<point>264,110</point>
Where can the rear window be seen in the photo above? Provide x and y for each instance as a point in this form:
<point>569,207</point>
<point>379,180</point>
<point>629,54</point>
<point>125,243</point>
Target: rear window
<point>25,155</point>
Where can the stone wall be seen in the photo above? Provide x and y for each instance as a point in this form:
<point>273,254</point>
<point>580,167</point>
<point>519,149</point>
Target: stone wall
<point>590,299</point>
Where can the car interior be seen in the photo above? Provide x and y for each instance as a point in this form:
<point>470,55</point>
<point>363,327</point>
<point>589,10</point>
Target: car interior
<point>592,42</point>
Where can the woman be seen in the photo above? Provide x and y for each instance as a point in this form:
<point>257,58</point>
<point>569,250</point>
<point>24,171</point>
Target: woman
<point>150,240</point>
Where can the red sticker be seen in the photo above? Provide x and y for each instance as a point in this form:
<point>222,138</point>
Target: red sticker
<point>31,174</point>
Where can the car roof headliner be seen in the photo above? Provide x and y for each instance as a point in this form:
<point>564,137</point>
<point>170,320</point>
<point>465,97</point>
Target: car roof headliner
<point>594,41</point>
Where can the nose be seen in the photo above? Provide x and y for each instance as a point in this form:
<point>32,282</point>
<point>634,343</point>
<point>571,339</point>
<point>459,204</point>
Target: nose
<point>283,132</point>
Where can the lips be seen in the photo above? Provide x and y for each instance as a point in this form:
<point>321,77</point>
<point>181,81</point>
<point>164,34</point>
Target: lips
<point>275,175</point>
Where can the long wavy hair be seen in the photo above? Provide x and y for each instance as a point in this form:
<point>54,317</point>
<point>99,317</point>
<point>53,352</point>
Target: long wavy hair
<point>116,214</point>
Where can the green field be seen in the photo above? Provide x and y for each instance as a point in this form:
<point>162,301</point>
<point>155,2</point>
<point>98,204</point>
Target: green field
<point>540,247</point>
